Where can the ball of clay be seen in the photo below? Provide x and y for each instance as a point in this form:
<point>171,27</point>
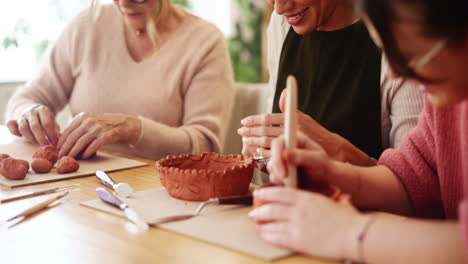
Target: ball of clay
<point>67,164</point>
<point>13,169</point>
<point>4,156</point>
<point>48,152</point>
<point>25,163</point>
<point>41,165</point>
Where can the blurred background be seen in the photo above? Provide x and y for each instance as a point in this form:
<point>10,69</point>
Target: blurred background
<point>29,27</point>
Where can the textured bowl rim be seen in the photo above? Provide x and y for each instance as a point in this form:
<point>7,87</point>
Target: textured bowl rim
<point>163,167</point>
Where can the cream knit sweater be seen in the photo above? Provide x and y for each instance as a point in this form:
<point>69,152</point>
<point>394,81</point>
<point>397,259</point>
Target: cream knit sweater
<point>183,94</point>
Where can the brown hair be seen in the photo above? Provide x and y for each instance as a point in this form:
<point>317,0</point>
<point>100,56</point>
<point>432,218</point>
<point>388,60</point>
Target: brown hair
<point>444,19</point>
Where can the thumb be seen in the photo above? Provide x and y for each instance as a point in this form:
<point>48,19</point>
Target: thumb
<point>13,127</point>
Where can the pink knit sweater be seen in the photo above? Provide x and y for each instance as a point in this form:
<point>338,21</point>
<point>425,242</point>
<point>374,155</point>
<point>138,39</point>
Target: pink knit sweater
<point>183,94</point>
<point>432,163</point>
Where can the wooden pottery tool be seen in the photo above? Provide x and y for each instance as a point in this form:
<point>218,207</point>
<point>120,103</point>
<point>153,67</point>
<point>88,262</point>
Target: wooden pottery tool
<point>131,215</point>
<point>37,193</point>
<point>290,127</point>
<point>122,189</point>
<point>38,207</point>
<point>238,199</point>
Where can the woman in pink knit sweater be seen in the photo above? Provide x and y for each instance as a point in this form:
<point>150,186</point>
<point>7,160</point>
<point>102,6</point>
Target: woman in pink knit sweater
<point>142,77</point>
<point>426,178</point>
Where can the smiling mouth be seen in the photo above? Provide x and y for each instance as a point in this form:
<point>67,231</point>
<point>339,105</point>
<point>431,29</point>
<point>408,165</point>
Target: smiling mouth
<point>296,18</point>
<point>133,14</point>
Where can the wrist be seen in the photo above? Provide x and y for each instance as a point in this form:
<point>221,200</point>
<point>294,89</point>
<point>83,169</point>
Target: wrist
<point>133,129</point>
<point>357,237</point>
<point>352,245</point>
<point>338,149</point>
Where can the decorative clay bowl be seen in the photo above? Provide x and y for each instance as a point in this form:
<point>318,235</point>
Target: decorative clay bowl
<point>198,177</point>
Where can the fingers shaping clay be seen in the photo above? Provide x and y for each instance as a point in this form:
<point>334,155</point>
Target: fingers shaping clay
<point>40,165</point>
<point>48,152</point>
<point>67,164</point>
<point>203,176</point>
<point>14,169</point>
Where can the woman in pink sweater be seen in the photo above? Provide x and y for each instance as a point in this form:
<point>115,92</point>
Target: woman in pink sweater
<point>142,77</point>
<point>427,177</point>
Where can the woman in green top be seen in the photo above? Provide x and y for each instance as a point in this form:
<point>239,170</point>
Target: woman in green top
<point>339,71</point>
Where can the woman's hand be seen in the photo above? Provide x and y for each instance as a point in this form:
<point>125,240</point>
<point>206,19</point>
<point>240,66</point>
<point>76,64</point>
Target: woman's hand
<point>37,125</point>
<point>89,131</point>
<point>259,131</point>
<point>308,222</point>
<point>310,156</point>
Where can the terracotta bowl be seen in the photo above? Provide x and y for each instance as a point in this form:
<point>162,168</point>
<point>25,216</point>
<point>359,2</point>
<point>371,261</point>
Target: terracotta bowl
<point>198,177</point>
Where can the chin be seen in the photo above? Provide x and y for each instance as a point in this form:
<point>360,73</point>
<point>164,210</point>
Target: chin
<point>303,29</point>
<point>441,100</point>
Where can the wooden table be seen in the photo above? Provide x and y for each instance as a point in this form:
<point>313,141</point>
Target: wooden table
<point>70,233</point>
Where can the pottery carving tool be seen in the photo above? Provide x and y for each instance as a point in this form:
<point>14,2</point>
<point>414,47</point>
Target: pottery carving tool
<point>38,207</point>
<point>290,127</point>
<point>131,215</point>
<point>37,193</point>
<point>122,189</point>
<point>246,199</point>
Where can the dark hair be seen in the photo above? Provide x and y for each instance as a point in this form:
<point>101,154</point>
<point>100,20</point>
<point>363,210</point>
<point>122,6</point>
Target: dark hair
<point>444,19</point>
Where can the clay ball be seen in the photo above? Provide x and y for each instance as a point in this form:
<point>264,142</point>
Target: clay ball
<point>67,164</point>
<point>4,156</point>
<point>48,152</point>
<point>41,165</point>
<point>14,169</point>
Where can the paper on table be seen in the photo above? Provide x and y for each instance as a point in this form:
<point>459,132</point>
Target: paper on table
<point>225,225</point>
<point>22,150</point>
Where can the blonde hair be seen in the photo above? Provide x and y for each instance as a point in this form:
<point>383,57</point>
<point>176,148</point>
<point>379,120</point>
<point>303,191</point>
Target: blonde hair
<point>161,10</point>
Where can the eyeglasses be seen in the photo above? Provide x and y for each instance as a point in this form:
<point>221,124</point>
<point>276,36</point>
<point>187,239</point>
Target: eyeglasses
<point>429,56</point>
<point>138,1</point>
<point>415,63</point>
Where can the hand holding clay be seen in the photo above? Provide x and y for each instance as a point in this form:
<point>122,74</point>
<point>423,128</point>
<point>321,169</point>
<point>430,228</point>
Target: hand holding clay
<point>122,189</point>
<point>67,164</point>
<point>89,131</point>
<point>14,169</point>
<point>37,125</point>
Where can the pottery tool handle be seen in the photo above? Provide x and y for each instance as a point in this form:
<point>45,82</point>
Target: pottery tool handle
<point>27,195</point>
<point>105,179</point>
<point>38,207</point>
<point>290,127</point>
<point>246,199</point>
<point>36,193</point>
<point>109,198</point>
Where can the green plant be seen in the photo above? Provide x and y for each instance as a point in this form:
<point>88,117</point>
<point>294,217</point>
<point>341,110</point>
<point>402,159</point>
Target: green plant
<point>245,47</point>
<point>184,3</point>
<point>12,39</point>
